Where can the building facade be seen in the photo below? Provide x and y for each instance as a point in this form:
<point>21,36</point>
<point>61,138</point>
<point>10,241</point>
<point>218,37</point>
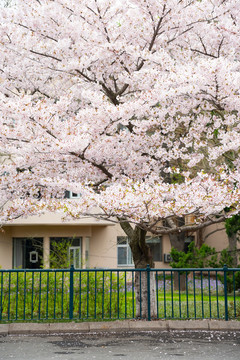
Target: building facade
<point>28,243</point>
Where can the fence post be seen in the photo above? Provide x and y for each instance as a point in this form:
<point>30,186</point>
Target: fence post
<point>1,302</point>
<point>149,292</point>
<point>225,268</point>
<point>71,293</point>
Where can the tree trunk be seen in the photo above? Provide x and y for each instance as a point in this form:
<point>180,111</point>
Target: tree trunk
<point>142,257</point>
<point>199,238</point>
<point>177,241</point>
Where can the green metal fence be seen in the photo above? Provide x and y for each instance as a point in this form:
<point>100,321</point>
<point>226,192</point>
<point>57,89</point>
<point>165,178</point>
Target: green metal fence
<point>103,294</point>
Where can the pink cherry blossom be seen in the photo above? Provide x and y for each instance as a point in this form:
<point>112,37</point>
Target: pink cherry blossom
<point>134,104</point>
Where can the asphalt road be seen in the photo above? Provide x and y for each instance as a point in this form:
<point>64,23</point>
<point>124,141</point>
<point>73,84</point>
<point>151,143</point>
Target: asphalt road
<point>194,345</point>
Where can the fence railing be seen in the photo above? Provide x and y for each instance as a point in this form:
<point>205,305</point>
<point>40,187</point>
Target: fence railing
<point>103,294</point>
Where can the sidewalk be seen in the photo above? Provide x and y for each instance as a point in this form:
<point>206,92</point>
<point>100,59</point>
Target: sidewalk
<point>124,325</point>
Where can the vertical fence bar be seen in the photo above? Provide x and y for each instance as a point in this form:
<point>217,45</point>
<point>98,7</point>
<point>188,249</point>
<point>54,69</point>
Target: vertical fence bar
<point>71,293</point>
<point>149,292</point>
<point>187,293</point>
<point>209,295</point>
<point>39,299</point>
<point>202,295</point>
<point>118,294</point>
<point>95,296</point>
<point>217,294</point>
<point>62,296</point>
<point>225,269</point>
<point>234,295</point>
<point>1,298</point>
<point>47,294</point>
<point>80,295</point>
<point>9,294</point>
<point>110,297</point>
<point>140,290</point>
<point>55,293</point>
<point>87,294</point>
<point>157,293</point>
<point>103,294</point>
<point>125,278</point>
<point>32,295</point>
<point>133,292</point>
<point>179,294</point>
<point>172,294</point>
<point>164,293</point>
<point>194,295</point>
<point>17,297</point>
<point>24,299</point>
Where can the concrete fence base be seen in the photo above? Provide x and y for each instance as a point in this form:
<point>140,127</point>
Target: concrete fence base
<point>125,325</point>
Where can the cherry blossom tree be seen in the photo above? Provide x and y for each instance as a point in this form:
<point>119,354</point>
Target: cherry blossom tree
<point>132,103</point>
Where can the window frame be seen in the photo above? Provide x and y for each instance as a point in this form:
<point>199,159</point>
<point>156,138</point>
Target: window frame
<point>72,248</point>
<point>154,241</point>
<point>73,195</point>
<point>128,251</point>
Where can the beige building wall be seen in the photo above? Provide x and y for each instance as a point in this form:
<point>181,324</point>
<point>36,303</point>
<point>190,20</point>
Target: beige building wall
<point>99,243</point>
<point>215,236</point>
<point>166,248</point>
<point>31,231</point>
<point>51,225</point>
<point>103,246</point>
<point>5,248</point>
<point>99,239</point>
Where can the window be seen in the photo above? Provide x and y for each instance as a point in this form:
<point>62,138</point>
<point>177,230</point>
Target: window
<point>65,251</point>
<point>27,253</point>
<point>155,244</point>
<point>71,195</point>
<point>124,254</point>
<point>74,254</point>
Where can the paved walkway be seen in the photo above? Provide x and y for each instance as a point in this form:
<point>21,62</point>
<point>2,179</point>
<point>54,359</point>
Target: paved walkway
<point>141,345</point>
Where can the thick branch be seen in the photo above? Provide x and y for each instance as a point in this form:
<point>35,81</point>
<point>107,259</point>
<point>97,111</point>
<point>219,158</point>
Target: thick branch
<point>171,223</point>
<point>184,228</point>
<point>127,228</point>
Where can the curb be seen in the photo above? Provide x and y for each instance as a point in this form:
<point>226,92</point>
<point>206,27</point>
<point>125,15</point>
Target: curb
<point>125,325</point>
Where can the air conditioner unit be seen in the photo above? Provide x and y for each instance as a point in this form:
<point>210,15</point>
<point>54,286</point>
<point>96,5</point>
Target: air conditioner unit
<point>167,258</point>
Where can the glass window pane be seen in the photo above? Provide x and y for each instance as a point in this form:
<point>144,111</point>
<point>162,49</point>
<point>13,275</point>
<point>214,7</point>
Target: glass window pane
<point>18,253</point>
<point>130,259</point>
<point>77,258</point>
<point>156,252</point>
<point>76,242</point>
<point>153,240</point>
<point>71,257</point>
<point>27,253</point>
<point>122,255</point>
<point>121,240</point>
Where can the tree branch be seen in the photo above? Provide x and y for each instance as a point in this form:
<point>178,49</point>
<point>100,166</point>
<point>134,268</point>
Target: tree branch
<point>46,55</point>
<point>93,163</point>
<point>212,232</point>
<point>127,228</point>
<point>184,228</point>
